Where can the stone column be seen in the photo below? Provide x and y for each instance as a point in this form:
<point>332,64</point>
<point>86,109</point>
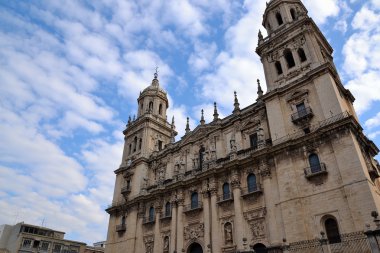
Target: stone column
<point>157,235</point>
<point>173,228</point>
<point>139,245</point>
<point>215,227</point>
<point>206,213</point>
<point>239,223</point>
<point>180,225</point>
<point>273,232</point>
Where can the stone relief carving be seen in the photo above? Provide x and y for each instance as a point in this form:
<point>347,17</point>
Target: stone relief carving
<point>149,242</point>
<point>193,232</point>
<point>166,244</point>
<point>255,214</point>
<point>257,228</point>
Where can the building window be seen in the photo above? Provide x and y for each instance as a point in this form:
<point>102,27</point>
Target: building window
<point>135,144</point>
<point>129,184</point>
<point>27,243</point>
<point>122,220</point>
<point>314,163</point>
<point>150,106</point>
<point>293,14</point>
<point>289,58</point>
<point>251,183</point>
<point>151,213</point>
<point>201,151</point>
<point>278,68</point>
<point>301,55</point>
<point>57,248</point>
<point>130,148</point>
<point>194,200</point>
<point>44,246</point>
<point>226,191</point>
<point>279,18</point>
<point>167,209</point>
<point>160,109</point>
<point>141,107</point>
<point>140,144</point>
<point>253,140</point>
<point>159,145</point>
<point>301,109</point>
<point>36,244</point>
<point>332,231</point>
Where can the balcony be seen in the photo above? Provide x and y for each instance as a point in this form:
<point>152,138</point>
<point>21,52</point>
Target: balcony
<point>316,170</point>
<point>251,191</point>
<point>126,190</point>
<point>196,206</point>
<point>225,197</point>
<point>301,115</point>
<point>166,216</point>
<point>148,220</point>
<point>121,228</point>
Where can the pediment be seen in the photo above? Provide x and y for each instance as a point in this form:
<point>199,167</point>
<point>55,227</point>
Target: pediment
<point>297,94</point>
<point>249,124</point>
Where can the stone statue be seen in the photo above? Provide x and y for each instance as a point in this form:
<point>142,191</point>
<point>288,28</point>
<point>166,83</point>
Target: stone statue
<point>166,244</point>
<point>228,233</point>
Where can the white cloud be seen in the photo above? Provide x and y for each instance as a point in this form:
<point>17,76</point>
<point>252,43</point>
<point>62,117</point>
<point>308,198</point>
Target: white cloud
<point>321,10</point>
<point>373,122</point>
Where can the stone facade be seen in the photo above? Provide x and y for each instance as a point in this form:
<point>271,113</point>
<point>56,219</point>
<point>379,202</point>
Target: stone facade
<point>292,165</point>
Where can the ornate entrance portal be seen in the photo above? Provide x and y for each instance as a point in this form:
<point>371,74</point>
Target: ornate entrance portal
<point>195,248</point>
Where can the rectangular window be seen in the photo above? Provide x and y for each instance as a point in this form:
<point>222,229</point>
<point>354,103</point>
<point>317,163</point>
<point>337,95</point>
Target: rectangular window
<point>36,244</point>
<point>301,109</point>
<point>159,145</point>
<point>57,248</point>
<point>26,243</point>
<point>253,140</point>
<point>44,246</point>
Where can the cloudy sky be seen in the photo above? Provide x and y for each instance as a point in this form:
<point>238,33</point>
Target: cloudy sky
<point>71,72</point>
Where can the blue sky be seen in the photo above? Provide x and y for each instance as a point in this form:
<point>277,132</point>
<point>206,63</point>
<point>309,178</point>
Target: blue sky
<point>71,72</point>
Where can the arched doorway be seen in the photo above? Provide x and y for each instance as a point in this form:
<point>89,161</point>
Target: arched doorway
<point>260,248</point>
<point>195,248</point>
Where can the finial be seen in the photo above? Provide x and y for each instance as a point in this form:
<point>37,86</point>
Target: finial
<point>172,134</point>
<point>236,104</point>
<point>129,120</point>
<point>216,115</point>
<point>202,118</point>
<point>187,126</point>
<point>134,117</point>
<point>173,122</point>
<point>260,35</point>
<point>155,81</point>
<point>259,90</point>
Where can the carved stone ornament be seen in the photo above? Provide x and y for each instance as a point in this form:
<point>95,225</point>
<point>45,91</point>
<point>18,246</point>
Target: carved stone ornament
<point>235,180</point>
<point>193,232</point>
<point>255,214</point>
<point>257,228</point>
<point>149,243</point>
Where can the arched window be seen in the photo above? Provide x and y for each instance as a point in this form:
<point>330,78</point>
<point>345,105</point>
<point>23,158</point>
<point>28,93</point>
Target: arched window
<point>150,106</point>
<point>130,148</point>
<point>167,209</point>
<point>135,144</point>
<point>293,14</point>
<point>289,58</point>
<point>251,183</point>
<point>226,191</point>
<point>194,200</point>
<point>160,109</point>
<point>301,55</point>
<point>151,213</point>
<point>332,231</point>
<point>140,144</point>
<point>141,107</point>
<point>123,220</point>
<point>279,18</point>
<point>315,164</point>
<point>278,67</point>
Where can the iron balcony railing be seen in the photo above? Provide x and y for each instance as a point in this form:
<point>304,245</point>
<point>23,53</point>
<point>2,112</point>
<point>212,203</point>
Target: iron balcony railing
<point>225,197</point>
<point>193,206</point>
<point>148,220</point>
<point>301,114</point>
<point>121,227</point>
<point>251,189</point>
<point>126,190</point>
<point>315,170</point>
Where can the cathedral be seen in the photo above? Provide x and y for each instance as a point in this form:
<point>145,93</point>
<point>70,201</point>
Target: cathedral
<point>291,167</point>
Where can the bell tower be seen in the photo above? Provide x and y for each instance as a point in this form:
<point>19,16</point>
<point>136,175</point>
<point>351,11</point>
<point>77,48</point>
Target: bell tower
<point>302,81</point>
